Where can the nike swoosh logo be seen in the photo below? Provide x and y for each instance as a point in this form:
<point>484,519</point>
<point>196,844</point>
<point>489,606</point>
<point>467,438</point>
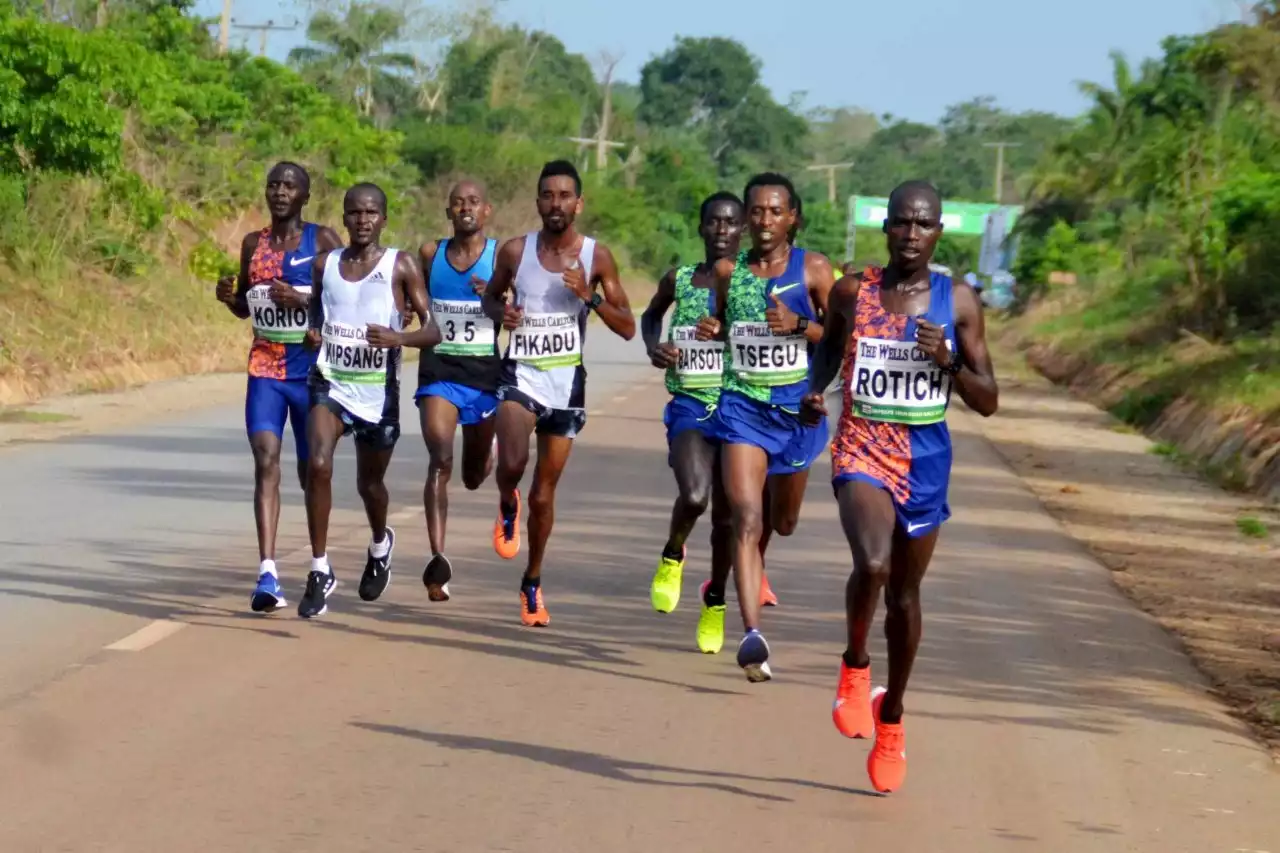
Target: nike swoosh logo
<point>912,528</point>
<point>787,287</point>
<point>293,262</point>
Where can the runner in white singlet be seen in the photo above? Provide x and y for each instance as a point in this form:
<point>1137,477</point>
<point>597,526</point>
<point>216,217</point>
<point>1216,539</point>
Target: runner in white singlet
<point>359,296</point>
<point>543,288</point>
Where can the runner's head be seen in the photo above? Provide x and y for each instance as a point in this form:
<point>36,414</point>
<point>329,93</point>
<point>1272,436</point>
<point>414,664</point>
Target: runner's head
<point>913,225</point>
<point>288,190</point>
<point>720,225</point>
<point>775,213</point>
<point>469,208</point>
<point>559,196</point>
<point>364,213</point>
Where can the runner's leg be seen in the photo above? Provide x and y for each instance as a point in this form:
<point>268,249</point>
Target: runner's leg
<point>477,453</point>
<point>693,462</point>
<point>514,425</point>
<point>324,429</point>
<point>373,455</point>
<point>439,419</point>
<point>710,634</point>
<point>266,490</point>
<point>902,620</point>
<point>553,453</point>
<point>745,471</point>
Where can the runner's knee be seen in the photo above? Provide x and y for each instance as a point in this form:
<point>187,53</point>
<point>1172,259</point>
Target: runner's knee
<point>872,564</point>
<point>441,464</point>
<point>784,524</point>
<point>266,462</point>
<point>370,488</point>
<point>472,478</point>
<point>696,498</point>
<point>541,501</point>
<point>748,522</point>
<point>320,468</point>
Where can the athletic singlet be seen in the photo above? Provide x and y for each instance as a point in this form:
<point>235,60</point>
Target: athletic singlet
<point>544,355</point>
<point>468,350</point>
<point>893,425</point>
<point>360,376</point>
<point>700,369</point>
<point>277,351</point>
<point>769,368</point>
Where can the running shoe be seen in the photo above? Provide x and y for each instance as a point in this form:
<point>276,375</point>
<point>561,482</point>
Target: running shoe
<point>664,593</point>
<point>767,598</point>
<point>377,571</point>
<point>268,595</point>
<point>506,532</point>
<point>533,613</point>
<point>315,600</point>
<point>851,711</point>
<point>887,763</point>
<point>436,577</point>
<point>710,624</point>
<point>753,656</point>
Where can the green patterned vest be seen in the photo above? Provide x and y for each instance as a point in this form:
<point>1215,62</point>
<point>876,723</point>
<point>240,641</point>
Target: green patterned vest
<point>699,372</point>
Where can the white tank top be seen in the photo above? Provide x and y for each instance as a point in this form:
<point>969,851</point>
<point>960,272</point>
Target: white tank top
<point>360,376</point>
<point>546,351</point>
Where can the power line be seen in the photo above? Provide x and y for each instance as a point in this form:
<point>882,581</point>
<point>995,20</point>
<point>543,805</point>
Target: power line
<point>263,30</point>
<point>830,169</point>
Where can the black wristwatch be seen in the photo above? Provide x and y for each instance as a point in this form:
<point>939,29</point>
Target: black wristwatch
<point>801,324</point>
<point>953,367</point>
<point>595,301</point>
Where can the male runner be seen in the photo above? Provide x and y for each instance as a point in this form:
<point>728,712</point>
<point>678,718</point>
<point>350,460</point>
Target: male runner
<point>273,290</point>
<point>457,379</point>
<point>770,302</point>
<point>553,274</point>
<point>910,337</point>
<point>360,296</point>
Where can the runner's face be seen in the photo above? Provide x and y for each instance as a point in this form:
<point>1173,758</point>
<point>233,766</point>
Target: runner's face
<point>558,203</point>
<point>770,217</point>
<point>913,228</point>
<point>468,210</point>
<point>363,217</point>
<point>285,192</point>
<point>721,230</point>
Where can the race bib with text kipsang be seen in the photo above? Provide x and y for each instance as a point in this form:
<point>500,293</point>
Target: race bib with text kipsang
<point>345,356</point>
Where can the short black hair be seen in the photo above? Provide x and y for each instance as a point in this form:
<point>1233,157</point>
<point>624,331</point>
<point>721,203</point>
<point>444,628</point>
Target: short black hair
<point>777,179</point>
<point>714,198</point>
<point>368,188</point>
<point>561,168</point>
<point>297,167</point>
<point>915,186</point>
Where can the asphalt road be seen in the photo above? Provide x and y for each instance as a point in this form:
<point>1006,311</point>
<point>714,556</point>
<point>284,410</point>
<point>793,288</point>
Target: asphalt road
<point>142,708</point>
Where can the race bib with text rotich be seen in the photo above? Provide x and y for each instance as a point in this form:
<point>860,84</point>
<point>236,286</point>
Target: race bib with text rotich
<point>897,382</point>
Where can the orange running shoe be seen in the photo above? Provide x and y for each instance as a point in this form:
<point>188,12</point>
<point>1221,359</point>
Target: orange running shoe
<point>851,712</point>
<point>506,532</point>
<point>887,763</point>
<point>533,613</point>
<point>767,598</point>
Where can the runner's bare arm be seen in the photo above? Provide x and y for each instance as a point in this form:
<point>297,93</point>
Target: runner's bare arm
<point>651,319</point>
<point>427,253</point>
<point>232,290</point>
<point>412,284</point>
<point>494,301</point>
<point>615,310</point>
<point>315,309</point>
<point>820,279</point>
<point>976,381</point>
<point>841,304</point>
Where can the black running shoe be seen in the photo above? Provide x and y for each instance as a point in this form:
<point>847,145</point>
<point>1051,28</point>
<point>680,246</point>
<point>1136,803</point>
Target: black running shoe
<point>436,577</point>
<point>315,600</point>
<point>377,572</point>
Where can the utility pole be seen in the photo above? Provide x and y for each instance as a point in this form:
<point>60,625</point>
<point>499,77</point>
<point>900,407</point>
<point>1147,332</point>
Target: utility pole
<point>599,143</point>
<point>263,29</point>
<point>1000,146</point>
<point>610,62</point>
<point>224,26</point>
<point>830,169</point>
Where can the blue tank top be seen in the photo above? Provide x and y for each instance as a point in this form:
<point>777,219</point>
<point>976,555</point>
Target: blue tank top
<point>277,351</point>
<point>749,298</point>
<point>468,351</point>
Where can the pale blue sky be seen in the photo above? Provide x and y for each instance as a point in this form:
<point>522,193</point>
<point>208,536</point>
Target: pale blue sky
<point>1026,53</point>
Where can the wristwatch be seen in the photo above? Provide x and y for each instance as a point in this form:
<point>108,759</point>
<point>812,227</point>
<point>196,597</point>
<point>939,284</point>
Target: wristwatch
<point>802,324</point>
<point>595,301</point>
<point>953,367</point>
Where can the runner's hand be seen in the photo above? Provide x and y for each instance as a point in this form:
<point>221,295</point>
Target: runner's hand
<point>708,329</point>
<point>226,290</point>
<point>286,296</point>
<point>813,408</point>
<point>512,317</point>
<point>723,270</point>
<point>381,336</point>
<point>478,285</point>
<point>929,338</point>
<point>664,355</point>
<point>782,320</point>
<point>312,340</point>
<point>575,278</point>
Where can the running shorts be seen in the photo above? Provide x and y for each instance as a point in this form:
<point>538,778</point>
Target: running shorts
<point>268,403</point>
<point>474,406</point>
<point>561,423</point>
<point>382,435</point>
<point>791,446</point>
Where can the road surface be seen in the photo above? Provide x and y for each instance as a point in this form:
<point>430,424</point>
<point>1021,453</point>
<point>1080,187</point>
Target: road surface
<point>143,709</point>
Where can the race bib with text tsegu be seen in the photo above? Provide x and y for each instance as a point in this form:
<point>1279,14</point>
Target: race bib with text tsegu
<point>545,341</point>
<point>464,327</point>
<point>345,356</point>
<point>762,358</point>
<point>273,322</point>
<point>699,364</point>
<point>897,382</point>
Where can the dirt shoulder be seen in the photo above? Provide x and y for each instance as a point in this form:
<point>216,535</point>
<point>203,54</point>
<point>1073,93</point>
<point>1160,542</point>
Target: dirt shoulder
<point>1190,554</point>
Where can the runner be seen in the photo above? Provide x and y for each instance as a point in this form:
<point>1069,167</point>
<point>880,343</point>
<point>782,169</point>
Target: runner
<point>457,380</point>
<point>770,300</point>
<point>910,337</point>
<point>553,275</point>
<point>360,295</point>
<point>273,290</point>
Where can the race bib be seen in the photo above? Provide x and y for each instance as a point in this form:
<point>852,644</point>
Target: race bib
<point>898,382</point>
<point>762,358</point>
<point>464,327</point>
<point>272,322</point>
<point>545,341</point>
<point>346,357</point>
<point>700,364</point>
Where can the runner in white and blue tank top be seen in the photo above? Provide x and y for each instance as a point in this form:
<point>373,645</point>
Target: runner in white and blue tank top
<point>457,380</point>
<point>544,286</point>
<point>772,301</point>
<point>361,297</point>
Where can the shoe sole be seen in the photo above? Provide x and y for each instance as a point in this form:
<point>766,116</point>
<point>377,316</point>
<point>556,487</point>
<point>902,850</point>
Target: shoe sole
<point>261,602</point>
<point>390,551</point>
<point>437,589</point>
<point>324,608</point>
<point>758,672</point>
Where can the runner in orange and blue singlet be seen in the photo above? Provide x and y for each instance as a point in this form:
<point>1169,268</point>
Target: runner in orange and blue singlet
<point>906,338</point>
<point>273,292</point>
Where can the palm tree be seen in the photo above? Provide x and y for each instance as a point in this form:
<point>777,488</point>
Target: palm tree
<point>346,55</point>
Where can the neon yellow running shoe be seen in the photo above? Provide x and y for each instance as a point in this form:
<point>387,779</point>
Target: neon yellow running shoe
<point>665,590</point>
<point>710,624</point>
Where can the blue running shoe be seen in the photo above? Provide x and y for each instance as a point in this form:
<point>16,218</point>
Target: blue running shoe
<point>753,656</point>
<point>268,595</point>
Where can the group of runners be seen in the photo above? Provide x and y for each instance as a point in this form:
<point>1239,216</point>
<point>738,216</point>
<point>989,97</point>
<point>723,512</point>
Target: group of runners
<point>755,338</point>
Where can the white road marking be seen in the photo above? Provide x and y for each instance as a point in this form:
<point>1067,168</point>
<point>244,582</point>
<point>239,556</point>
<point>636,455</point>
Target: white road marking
<point>147,636</point>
